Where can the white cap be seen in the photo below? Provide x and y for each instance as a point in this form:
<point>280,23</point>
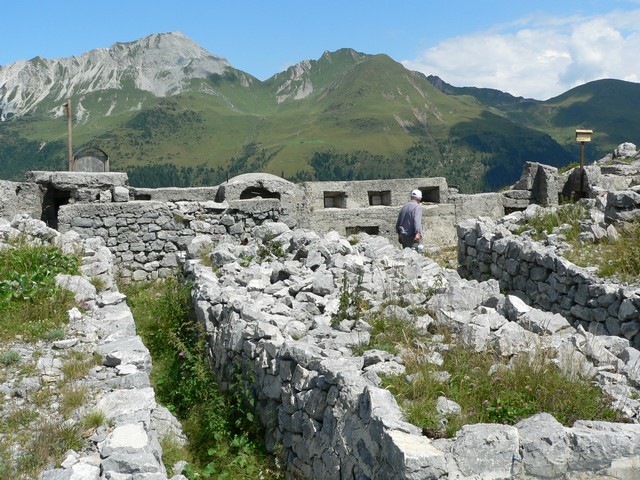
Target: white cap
<point>416,194</point>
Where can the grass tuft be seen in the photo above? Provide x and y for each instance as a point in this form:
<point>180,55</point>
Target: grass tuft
<point>488,388</point>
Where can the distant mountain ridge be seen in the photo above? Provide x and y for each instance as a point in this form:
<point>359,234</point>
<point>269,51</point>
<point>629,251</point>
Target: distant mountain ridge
<point>488,96</point>
<point>161,64</point>
<point>172,114</point>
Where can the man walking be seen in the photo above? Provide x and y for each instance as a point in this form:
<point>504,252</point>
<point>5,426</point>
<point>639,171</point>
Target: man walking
<point>409,223</point>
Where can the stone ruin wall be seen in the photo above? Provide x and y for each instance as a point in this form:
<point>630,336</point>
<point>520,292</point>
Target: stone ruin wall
<point>149,238</point>
<point>315,403</point>
<point>147,230</point>
<point>547,281</point>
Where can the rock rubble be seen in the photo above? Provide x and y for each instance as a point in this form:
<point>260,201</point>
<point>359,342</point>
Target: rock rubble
<point>272,318</point>
<point>127,445</point>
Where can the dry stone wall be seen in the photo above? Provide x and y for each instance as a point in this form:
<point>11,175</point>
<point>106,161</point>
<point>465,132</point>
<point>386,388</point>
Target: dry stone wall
<point>127,445</point>
<point>149,238</point>
<point>546,280</point>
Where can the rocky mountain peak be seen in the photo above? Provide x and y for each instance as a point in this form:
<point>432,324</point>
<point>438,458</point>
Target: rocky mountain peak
<point>162,64</point>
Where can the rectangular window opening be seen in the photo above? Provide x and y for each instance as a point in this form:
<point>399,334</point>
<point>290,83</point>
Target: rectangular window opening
<point>379,198</point>
<point>430,194</point>
<point>335,200</point>
<point>141,196</point>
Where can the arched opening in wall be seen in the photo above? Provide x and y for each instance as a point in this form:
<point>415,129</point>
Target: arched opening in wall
<point>371,230</point>
<point>258,192</point>
<point>51,203</point>
<point>91,159</point>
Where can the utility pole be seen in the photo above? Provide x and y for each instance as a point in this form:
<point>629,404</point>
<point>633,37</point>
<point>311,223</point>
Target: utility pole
<point>69,122</point>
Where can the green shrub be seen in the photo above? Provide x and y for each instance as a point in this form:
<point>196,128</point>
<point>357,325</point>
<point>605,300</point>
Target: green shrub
<point>270,249</point>
<point>9,358</point>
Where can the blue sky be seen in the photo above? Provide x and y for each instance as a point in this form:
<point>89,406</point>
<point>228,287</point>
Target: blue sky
<point>537,48</point>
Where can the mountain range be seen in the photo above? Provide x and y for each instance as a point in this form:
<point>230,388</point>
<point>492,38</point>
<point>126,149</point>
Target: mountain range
<point>172,114</point>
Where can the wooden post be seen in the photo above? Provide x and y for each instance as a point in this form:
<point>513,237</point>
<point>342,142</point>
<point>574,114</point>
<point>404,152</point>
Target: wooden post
<point>69,123</point>
<point>582,170</point>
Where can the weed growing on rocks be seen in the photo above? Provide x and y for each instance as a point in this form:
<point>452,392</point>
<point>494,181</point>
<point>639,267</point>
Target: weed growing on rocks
<point>352,303</point>
<point>34,309</point>
<point>10,357</point>
<point>621,258</point>
<point>270,250</point>
<point>613,258</point>
<point>184,382</point>
<point>30,302</point>
<point>569,216</point>
<point>77,365</point>
<point>53,439</point>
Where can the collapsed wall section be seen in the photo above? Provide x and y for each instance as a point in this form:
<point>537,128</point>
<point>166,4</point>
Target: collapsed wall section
<point>321,414</point>
<point>272,337</point>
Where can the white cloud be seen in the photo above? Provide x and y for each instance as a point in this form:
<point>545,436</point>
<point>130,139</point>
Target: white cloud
<point>539,57</point>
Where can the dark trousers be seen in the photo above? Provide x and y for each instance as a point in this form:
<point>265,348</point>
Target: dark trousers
<point>407,242</point>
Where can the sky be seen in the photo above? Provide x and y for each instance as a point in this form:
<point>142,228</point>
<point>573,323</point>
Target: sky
<point>535,49</point>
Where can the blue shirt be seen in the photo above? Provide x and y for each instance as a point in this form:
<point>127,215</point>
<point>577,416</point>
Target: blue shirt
<point>409,219</point>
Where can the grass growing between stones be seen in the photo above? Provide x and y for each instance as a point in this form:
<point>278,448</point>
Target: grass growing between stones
<point>31,304</point>
<point>446,257</point>
<point>621,258</point>
<point>224,440</point>
<point>44,441</point>
<point>568,215</point>
<point>488,388</point>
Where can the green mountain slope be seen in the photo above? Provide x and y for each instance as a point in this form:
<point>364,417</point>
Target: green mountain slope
<point>606,106</point>
<point>609,107</point>
<point>347,115</point>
